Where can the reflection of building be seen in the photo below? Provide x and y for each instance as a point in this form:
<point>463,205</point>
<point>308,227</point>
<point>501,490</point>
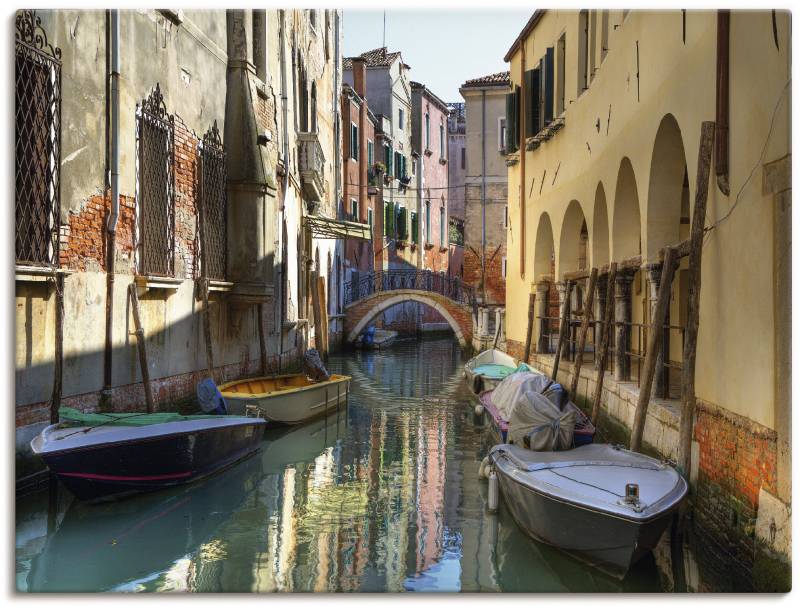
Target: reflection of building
<point>603,166</point>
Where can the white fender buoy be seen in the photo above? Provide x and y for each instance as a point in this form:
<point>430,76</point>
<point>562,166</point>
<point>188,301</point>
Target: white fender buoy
<point>483,469</point>
<point>494,492</point>
<point>479,410</point>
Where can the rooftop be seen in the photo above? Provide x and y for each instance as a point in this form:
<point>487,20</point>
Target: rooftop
<point>379,57</point>
<point>498,79</point>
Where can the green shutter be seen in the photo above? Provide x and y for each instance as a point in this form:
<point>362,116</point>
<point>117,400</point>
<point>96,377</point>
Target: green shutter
<point>532,102</point>
<point>414,228</point>
<point>402,223</point>
<point>548,85</point>
<point>511,122</point>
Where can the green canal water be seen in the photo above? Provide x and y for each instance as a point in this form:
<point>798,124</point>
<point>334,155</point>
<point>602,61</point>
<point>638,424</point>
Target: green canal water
<point>383,496</point>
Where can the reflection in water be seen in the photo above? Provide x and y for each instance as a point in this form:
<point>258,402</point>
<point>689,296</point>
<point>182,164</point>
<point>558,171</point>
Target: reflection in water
<point>383,496</point>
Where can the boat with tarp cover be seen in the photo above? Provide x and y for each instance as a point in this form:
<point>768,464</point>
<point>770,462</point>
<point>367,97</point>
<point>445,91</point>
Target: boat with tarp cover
<point>101,456</point>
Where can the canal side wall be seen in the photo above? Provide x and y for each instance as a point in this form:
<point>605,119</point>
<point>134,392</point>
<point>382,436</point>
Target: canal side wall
<point>740,531</point>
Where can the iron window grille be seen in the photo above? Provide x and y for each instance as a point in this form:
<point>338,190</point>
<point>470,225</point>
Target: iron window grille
<point>37,156</point>
<point>213,206</point>
<point>155,130</point>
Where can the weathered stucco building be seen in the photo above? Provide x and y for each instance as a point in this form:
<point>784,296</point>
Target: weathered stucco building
<point>608,108</point>
<point>154,153</point>
<point>456,176</point>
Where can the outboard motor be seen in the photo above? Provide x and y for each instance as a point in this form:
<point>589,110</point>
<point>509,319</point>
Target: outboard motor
<point>210,398</point>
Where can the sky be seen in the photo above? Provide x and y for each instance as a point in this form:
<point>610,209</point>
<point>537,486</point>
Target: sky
<point>443,48</point>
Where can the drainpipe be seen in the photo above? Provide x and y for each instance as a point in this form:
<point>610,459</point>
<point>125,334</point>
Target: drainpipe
<point>286,169</point>
<point>723,95</point>
<point>113,217</point>
<point>420,185</point>
<point>483,195</point>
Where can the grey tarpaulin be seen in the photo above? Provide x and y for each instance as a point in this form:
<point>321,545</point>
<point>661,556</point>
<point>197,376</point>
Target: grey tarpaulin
<point>530,414</point>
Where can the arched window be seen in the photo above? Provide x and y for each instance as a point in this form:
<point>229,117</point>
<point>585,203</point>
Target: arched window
<point>313,107</point>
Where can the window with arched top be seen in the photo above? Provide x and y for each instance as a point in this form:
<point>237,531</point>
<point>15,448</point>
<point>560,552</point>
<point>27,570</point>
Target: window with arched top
<point>313,108</point>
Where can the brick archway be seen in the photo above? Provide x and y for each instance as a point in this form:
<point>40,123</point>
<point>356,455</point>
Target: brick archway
<point>359,314</point>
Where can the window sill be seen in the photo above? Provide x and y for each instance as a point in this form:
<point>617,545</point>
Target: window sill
<point>38,273</point>
<point>158,282</point>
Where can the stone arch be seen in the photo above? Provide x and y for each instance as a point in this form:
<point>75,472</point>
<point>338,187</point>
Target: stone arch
<point>544,250</point>
<point>668,190</point>
<point>599,228</point>
<point>379,302</point>
<point>626,236</point>
<point>572,246</point>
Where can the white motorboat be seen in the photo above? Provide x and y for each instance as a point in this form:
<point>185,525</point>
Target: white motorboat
<point>603,504</point>
<point>487,369</point>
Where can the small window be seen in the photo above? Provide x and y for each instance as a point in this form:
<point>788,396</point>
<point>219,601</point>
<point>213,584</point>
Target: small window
<point>427,131</point>
<point>428,222</point>
<point>370,153</point>
<point>354,209</point>
<point>369,218</point>
<point>353,141</point>
<point>501,143</point>
<point>504,270</point>
<point>464,153</point>
<point>401,119</point>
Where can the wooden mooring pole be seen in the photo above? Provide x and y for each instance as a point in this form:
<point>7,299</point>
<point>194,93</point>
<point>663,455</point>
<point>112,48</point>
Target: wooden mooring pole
<point>323,309</point>
<point>563,331</point>
<point>605,330</point>
<point>140,343</point>
<point>654,343</point>
<point>531,320</point>
<point>58,360</point>
<point>207,330</point>
<point>587,317</point>
<point>693,304</point>
<point>262,341</point>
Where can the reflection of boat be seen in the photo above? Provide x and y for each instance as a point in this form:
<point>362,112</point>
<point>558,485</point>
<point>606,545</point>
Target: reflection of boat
<point>488,369</point>
<point>302,443</point>
<point>288,399</point>
<point>105,456</point>
<point>605,505</point>
<point>584,429</point>
<point>101,547</point>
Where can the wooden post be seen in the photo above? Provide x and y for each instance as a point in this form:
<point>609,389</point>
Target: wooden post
<point>606,330</point>
<point>207,329</point>
<point>58,359</point>
<point>587,316</point>
<point>693,305</point>
<point>654,342</point>
<point>323,307</point>
<point>563,332</point>
<point>531,320</point>
<point>317,309</point>
<point>262,342</point>
<point>139,332</point>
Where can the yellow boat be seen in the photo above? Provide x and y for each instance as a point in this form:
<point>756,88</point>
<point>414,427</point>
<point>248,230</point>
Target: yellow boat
<point>287,399</point>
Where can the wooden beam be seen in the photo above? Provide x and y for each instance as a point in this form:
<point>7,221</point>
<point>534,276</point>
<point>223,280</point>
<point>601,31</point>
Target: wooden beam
<point>139,332</point>
<point>608,324</point>
<point>531,320</point>
<point>58,360</point>
<point>318,340</point>
<point>207,329</point>
<point>563,331</point>
<point>654,342</point>
<point>693,304</point>
<point>587,315</point>
<point>323,307</point>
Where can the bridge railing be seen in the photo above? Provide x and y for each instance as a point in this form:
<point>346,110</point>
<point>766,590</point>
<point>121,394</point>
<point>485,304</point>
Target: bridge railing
<point>419,280</point>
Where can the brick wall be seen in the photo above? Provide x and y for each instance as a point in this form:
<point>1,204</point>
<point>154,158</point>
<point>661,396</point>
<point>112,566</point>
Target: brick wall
<point>186,190</point>
<point>495,283</point>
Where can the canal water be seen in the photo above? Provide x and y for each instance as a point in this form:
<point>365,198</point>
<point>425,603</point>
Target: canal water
<point>383,496</point>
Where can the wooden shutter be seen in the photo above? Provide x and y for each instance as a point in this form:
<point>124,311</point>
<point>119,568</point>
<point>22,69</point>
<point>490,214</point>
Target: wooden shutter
<point>532,102</point>
<point>542,95</point>
<point>548,85</point>
<point>517,108</point>
<point>512,121</point>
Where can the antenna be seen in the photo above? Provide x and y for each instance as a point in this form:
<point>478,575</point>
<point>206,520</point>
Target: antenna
<point>384,29</point>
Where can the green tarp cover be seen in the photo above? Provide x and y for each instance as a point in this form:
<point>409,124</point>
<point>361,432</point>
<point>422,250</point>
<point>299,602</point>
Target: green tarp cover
<point>494,371</point>
<point>68,414</point>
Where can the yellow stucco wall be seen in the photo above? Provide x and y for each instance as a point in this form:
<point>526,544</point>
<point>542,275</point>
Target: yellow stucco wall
<point>607,124</point>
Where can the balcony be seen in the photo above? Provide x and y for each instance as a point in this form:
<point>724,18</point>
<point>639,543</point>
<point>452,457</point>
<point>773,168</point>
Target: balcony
<point>312,166</point>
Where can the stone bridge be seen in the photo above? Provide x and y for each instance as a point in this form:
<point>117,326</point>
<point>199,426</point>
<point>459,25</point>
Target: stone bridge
<point>369,295</point>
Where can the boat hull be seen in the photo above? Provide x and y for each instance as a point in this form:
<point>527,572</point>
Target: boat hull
<point>479,382</point>
<point>607,540</point>
<point>114,470</point>
<point>293,406</point>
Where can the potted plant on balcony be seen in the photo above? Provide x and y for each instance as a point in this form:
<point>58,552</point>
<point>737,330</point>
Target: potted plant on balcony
<point>379,168</point>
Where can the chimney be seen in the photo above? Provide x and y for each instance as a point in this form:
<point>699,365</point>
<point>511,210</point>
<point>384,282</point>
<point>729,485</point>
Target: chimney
<point>360,76</point>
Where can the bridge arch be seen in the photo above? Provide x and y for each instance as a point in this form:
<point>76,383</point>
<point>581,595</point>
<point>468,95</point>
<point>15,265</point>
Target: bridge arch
<point>360,313</point>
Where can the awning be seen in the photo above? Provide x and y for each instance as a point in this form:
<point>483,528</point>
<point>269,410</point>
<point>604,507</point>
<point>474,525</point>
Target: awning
<point>323,227</point>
